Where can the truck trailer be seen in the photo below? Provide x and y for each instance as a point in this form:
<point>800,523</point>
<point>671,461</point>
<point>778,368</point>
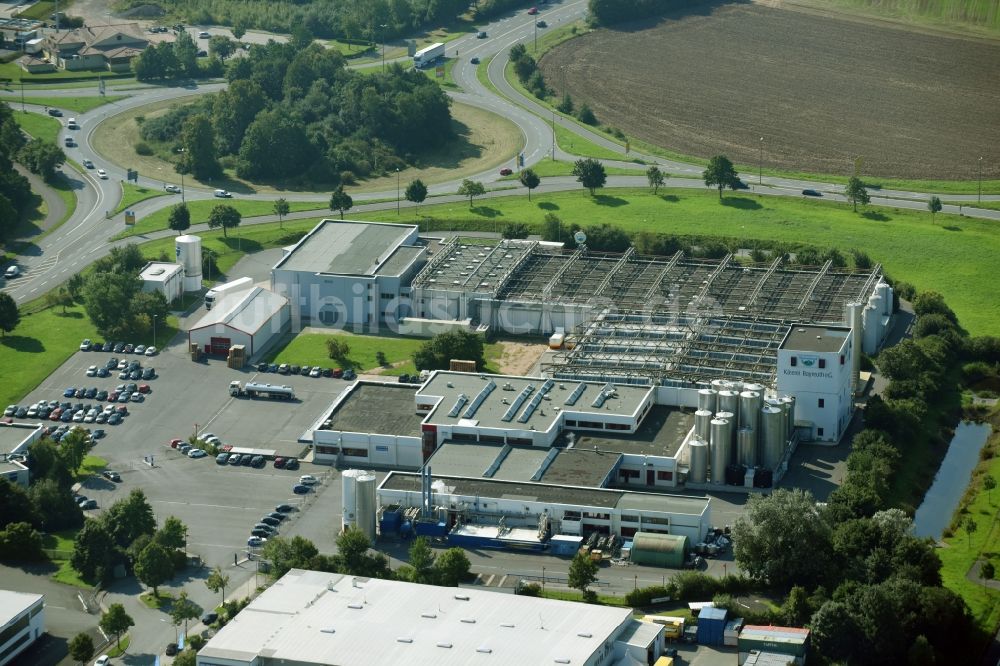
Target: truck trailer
<point>255,390</point>
<point>215,293</point>
<point>426,56</point>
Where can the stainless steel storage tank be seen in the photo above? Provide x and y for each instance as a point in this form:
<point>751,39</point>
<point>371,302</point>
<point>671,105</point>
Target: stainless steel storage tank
<point>698,472</point>
<point>707,399</point>
<point>729,401</point>
<point>721,444</point>
<point>750,404</point>
<point>702,418</point>
<point>772,426</point>
<point>746,447</point>
<point>788,404</point>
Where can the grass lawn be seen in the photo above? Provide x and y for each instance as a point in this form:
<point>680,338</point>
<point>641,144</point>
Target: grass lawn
<point>39,344</point>
<point>952,256</point>
<point>963,549</point>
<point>78,104</point>
<point>157,602</point>
<point>67,575</point>
<point>120,648</point>
<point>310,349</point>
<point>65,192</point>
<point>200,210</point>
<point>61,541</point>
<point>40,10</point>
<point>92,465</point>
<point>13,72</point>
<point>447,81</point>
<point>573,595</point>
<point>38,126</point>
<point>133,194</point>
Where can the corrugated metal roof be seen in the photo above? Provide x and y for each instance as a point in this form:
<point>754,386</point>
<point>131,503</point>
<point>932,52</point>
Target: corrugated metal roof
<point>761,632</point>
<point>245,311</point>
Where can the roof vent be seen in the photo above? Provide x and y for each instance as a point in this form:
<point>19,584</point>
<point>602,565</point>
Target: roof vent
<point>484,650</point>
<point>444,645</point>
<point>428,615</point>
<point>507,625</point>
<point>585,634</point>
<point>469,620</point>
<point>561,660</point>
<point>356,606</point>
<point>404,639</point>
<point>462,597</point>
<point>328,630</point>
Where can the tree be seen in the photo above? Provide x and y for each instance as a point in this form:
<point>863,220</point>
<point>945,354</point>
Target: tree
<point>217,582</point>
<point>934,206</point>
<point>438,352</point>
<point>782,539</point>
<point>720,173</point>
<point>94,551</point>
<point>239,28</point>
<point>224,216</point>
<point>970,526</point>
<point>42,157</point>
<point>552,228</point>
<point>59,297</point>
<point>10,316</point>
<point>183,609</point>
<point>341,201</point>
<point>20,541</point>
<point>54,505</point>
<point>173,534</point>
<point>73,449</point>
<point>15,505</point>
<point>834,631</point>
<point>856,192</point>
<point>116,621</point>
<point>989,483</point>
<point>186,658</point>
<point>422,562</point>
<point>471,189</point>
<point>566,104</point>
<point>515,230</point>
<point>582,572</point>
<point>337,347</point>
<point>452,567</point>
<point>285,554</point>
<point>655,177</point>
<point>81,648</point>
<point>74,286</point>
<point>130,517</point>
<point>416,192</point>
<point>796,610</point>
<point>921,652</point>
<point>585,115</point>
<point>590,173</point>
<point>154,567</point>
<point>221,46</point>
<point>180,218</point>
<point>281,209</point>
<point>529,179</point>
<point>354,559</point>
<point>198,141</point>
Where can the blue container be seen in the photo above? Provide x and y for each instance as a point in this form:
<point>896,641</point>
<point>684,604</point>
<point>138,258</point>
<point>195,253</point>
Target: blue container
<point>432,529</point>
<point>405,529</point>
<point>711,626</point>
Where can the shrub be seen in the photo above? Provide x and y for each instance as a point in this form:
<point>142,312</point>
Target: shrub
<point>348,178</point>
<point>694,585</point>
<point>644,596</point>
<point>196,641</point>
<point>142,148</point>
<point>530,590</point>
<point>585,115</point>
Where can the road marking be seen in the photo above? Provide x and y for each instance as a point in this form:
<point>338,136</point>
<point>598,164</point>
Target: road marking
<point>211,506</point>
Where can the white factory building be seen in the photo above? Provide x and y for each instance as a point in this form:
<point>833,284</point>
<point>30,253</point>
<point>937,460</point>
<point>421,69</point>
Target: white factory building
<point>22,622</point>
<point>166,278</point>
<point>350,273</point>
<point>253,318</point>
<point>15,438</point>
<point>326,619</point>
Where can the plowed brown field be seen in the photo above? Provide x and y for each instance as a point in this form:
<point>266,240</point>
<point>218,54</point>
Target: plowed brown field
<point>820,90</point>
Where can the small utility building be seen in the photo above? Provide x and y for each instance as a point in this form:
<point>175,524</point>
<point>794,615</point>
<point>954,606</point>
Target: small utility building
<point>166,278</point>
<point>250,318</point>
<point>659,550</point>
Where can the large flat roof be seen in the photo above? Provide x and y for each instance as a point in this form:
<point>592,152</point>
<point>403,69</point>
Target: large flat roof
<point>159,271</point>
<point>400,260</point>
<point>346,247</point>
<point>820,339</point>
<point>554,494</point>
<point>661,434</point>
<point>13,604</point>
<point>475,459</point>
<point>12,435</point>
<point>449,385</point>
<point>245,311</point>
<point>309,617</point>
<point>384,409</point>
<point>578,467</point>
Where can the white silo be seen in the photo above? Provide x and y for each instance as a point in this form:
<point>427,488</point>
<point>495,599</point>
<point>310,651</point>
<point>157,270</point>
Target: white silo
<point>188,251</point>
<point>885,293</point>
<point>746,447</point>
<point>349,498</point>
<point>854,320</point>
<point>367,508</point>
<point>772,423</point>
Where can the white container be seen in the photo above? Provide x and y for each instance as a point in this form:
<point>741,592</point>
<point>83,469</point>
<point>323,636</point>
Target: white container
<point>188,251</point>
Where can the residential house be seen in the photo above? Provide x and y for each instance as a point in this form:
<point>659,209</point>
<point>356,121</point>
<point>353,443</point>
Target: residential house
<point>109,47</point>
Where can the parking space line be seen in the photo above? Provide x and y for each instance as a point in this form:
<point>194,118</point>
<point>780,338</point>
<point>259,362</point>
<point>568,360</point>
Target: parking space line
<point>211,506</point>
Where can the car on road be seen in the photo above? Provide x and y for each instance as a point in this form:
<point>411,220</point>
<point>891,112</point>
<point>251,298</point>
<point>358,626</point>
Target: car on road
<point>542,24</point>
<point>68,142</point>
<point>506,171</point>
<point>72,124</point>
<point>12,272</point>
<point>533,11</point>
<point>474,60</point>
<point>481,34</point>
<point>87,164</point>
<point>102,174</point>
<point>85,345</point>
<point>811,193</point>
<point>299,489</point>
<point>283,508</point>
<point>55,113</point>
<point>103,660</point>
<point>111,476</point>
<point>172,188</point>
<point>203,35</point>
<point>222,194</point>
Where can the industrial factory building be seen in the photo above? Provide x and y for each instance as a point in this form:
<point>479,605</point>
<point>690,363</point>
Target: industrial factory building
<point>252,318</point>
<point>320,619</point>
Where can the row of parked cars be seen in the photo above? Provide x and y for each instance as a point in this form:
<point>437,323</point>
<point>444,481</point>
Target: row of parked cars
<point>118,347</point>
<point>249,460</point>
<point>268,525</point>
<point>56,433</point>
<point>126,370</point>
<point>307,371</point>
<point>68,412</point>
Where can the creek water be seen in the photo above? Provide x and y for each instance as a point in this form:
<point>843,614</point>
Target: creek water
<point>941,500</point>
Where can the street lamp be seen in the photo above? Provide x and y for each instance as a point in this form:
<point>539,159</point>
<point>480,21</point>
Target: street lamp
<point>397,190</point>
<point>182,150</point>
<point>760,168</point>
<point>383,26</point>
<point>979,198</point>
<point>543,578</point>
<point>154,330</point>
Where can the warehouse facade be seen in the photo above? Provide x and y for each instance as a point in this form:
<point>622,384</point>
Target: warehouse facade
<point>251,318</point>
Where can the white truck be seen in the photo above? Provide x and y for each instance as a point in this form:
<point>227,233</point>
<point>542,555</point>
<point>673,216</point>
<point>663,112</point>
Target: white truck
<point>426,56</point>
<point>255,390</point>
<point>215,293</point>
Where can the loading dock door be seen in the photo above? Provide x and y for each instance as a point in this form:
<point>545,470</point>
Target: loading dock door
<point>219,346</point>
<point>650,477</point>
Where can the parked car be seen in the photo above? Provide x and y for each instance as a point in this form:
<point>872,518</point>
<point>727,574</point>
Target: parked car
<point>283,508</point>
<point>140,349</point>
<point>350,375</point>
<point>235,459</point>
<point>151,351</point>
<point>294,369</point>
<point>203,35</point>
<point>196,453</point>
<point>103,372</point>
<point>144,388</point>
<point>299,489</point>
<point>265,527</point>
<point>184,448</point>
<point>221,458</point>
<point>114,419</point>
<point>305,370</point>
<point>90,393</point>
<point>260,534</point>
<point>292,463</point>
<point>108,346</point>
<point>316,371</point>
<point>103,660</point>
<point>268,520</point>
<point>256,541</point>
<point>308,480</point>
<point>98,434</point>
<point>119,347</point>
<point>111,476</point>
<point>171,649</point>
<point>279,462</point>
<point>138,397</point>
<point>338,373</point>
<point>283,369</point>
<point>209,617</point>
<point>92,371</point>
<point>69,392</point>
<point>88,505</point>
<point>85,345</point>
<point>102,395</point>
<point>10,411</point>
<point>277,515</point>
<point>147,373</point>
<point>273,367</point>
<point>328,372</point>
<point>129,348</point>
<point>257,461</point>
<point>262,367</point>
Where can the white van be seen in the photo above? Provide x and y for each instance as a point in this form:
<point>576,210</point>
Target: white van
<point>223,194</point>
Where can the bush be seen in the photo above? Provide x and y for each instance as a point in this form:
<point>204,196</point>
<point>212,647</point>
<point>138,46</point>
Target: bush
<point>197,641</point>
<point>694,585</point>
<point>585,115</point>
<point>348,178</point>
<point>530,590</point>
<point>142,148</point>
<point>644,596</point>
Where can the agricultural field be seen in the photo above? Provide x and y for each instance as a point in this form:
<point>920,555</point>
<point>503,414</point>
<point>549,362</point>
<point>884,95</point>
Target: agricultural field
<point>826,91</point>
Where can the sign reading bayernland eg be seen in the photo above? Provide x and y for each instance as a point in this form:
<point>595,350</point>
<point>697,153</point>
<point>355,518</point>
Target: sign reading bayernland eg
<point>807,369</point>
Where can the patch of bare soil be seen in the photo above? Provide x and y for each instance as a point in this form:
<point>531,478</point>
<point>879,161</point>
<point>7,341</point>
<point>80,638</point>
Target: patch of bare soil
<point>518,358</point>
<point>820,90</point>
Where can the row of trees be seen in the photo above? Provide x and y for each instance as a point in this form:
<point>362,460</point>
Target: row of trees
<point>179,59</point>
<point>294,111</point>
<point>16,197</point>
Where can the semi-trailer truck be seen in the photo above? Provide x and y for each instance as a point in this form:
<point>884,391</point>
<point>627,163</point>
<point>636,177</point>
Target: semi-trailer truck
<point>215,293</point>
<point>255,390</point>
<point>426,56</point>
